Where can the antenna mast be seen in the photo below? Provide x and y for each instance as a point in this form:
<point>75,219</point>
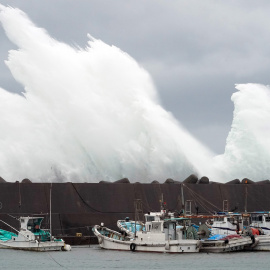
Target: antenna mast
<point>51,211</point>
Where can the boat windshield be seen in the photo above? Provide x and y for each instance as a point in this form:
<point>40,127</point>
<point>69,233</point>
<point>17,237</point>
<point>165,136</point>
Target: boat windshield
<point>33,225</point>
<point>150,218</point>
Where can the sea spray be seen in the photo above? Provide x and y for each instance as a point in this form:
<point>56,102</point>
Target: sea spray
<point>247,152</point>
<point>87,115</point>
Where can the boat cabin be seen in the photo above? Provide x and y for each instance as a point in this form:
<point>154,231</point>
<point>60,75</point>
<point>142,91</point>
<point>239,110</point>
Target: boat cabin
<point>30,228</point>
<point>31,224</point>
<point>226,223</point>
<point>260,220</point>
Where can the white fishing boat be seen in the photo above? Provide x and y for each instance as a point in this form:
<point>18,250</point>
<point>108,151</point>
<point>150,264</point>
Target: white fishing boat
<point>226,223</point>
<point>225,243</point>
<point>223,234</point>
<point>260,220</point>
<point>260,243</point>
<point>160,234</point>
<point>30,237</point>
<point>255,225</point>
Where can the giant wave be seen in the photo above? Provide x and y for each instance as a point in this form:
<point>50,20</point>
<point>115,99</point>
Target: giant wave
<point>94,114</point>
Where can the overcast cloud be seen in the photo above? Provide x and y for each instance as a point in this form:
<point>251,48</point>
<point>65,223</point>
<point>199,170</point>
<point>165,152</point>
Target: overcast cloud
<point>195,51</point>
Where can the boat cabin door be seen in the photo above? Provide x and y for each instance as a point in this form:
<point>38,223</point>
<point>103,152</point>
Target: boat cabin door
<point>170,231</point>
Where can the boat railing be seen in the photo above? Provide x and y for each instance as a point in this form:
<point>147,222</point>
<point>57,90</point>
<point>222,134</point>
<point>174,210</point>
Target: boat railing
<point>106,232</point>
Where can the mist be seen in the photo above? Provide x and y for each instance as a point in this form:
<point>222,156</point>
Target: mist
<point>86,114</point>
<point>91,114</point>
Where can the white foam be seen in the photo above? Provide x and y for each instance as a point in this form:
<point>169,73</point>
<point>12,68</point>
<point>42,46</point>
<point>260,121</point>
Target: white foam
<point>247,152</point>
<point>87,115</point>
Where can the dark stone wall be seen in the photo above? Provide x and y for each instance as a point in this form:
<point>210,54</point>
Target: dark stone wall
<point>76,207</point>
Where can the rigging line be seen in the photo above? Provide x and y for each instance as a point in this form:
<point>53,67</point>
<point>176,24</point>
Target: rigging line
<point>200,201</point>
<point>145,206</point>
<point>55,260</point>
<point>202,197</point>
<point>92,208</point>
<point>73,228</point>
<point>205,207</point>
<point>203,201</point>
<point>208,208</point>
<point>178,201</point>
<point>13,217</point>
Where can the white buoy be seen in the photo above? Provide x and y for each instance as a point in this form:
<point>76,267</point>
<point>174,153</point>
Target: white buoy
<point>66,247</point>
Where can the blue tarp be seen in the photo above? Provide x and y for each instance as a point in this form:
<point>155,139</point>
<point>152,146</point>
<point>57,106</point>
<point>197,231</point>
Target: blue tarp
<point>216,237</point>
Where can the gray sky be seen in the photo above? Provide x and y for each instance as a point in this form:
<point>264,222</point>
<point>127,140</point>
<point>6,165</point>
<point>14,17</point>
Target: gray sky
<point>194,50</point>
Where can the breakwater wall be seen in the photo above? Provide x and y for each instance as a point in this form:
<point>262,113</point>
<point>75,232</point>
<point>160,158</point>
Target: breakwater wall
<point>76,207</point>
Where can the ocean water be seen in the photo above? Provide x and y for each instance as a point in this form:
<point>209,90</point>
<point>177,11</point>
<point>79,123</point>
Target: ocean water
<point>92,257</point>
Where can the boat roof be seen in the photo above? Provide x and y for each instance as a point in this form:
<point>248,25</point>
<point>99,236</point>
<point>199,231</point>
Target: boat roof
<point>260,212</point>
<point>176,219</point>
<point>228,213</point>
<point>30,217</point>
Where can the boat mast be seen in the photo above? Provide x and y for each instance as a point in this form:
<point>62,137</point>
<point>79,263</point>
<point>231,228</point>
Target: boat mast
<point>246,198</point>
<point>51,211</point>
<point>182,197</point>
<point>138,211</point>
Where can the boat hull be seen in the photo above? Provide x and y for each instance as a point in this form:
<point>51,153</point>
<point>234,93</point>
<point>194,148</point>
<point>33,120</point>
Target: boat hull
<point>220,246</point>
<point>32,245</point>
<point>112,240</point>
<point>172,247</point>
<point>262,243</point>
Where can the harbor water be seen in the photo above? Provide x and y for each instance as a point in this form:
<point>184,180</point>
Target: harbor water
<point>92,257</point>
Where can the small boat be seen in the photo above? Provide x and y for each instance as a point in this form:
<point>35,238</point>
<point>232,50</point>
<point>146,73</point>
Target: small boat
<point>159,234</point>
<point>224,234</point>
<point>31,237</point>
<point>226,223</point>
<point>261,241</point>
<point>225,243</point>
<point>260,220</point>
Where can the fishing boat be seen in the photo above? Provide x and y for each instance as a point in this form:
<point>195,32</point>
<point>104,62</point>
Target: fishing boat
<point>255,225</point>
<point>223,234</point>
<point>226,223</point>
<point>31,237</point>
<point>160,234</point>
<point>260,220</point>
<point>225,243</point>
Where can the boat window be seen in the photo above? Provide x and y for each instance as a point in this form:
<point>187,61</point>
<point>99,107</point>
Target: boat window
<point>246,221</point>
<point>232,220</point>
<point>256,218</point>
<point>219,219</point>
<point>156,226</point>
<point>267,219</point>
<point>150,218</point>
<point>33,225</point>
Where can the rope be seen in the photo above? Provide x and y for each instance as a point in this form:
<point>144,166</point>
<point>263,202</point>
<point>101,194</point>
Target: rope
<point>201,200</point>
<point>55,260</point>
<point>92,208</point>
<point>13,217</point>
<point>85,203</point>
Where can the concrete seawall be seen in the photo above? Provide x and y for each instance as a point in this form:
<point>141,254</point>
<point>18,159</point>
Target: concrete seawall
<point>76,207</point>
